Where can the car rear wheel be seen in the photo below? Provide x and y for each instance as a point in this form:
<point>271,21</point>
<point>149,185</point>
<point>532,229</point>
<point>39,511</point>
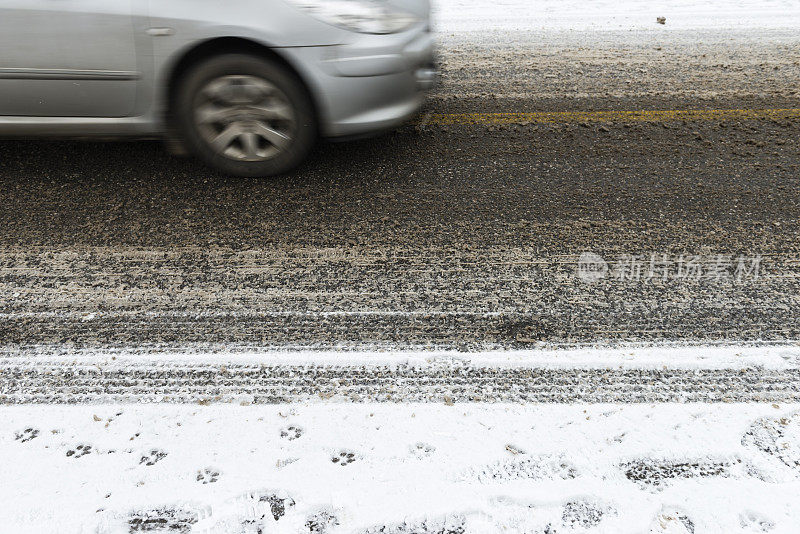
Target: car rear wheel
<point>245,115</point>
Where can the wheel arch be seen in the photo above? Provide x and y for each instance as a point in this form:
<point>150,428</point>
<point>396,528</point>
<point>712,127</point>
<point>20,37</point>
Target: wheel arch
<point>227,45</point>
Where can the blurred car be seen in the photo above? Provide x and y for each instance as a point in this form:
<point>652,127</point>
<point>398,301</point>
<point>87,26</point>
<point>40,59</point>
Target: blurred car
<point>246,85</point>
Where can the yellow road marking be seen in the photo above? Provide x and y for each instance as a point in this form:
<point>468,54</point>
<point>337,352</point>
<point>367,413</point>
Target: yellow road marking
<point>554,117</point>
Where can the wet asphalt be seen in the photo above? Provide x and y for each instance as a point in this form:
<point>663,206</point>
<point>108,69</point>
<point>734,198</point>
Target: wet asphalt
<point>463,236</point>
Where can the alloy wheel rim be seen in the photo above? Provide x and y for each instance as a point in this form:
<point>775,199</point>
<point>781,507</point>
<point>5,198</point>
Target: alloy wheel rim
<point>245,118</point>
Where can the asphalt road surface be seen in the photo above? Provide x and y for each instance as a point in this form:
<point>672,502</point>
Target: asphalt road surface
<point>462,230</point>
<point>560,189</point>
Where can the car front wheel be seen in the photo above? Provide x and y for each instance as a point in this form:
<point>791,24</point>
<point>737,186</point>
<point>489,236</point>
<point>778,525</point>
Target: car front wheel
<point>245,115</point>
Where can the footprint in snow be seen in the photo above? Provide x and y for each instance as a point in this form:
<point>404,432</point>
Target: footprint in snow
<point>585,513</point>
<point>321,522</point>
<point>422,450</point>
<point>755,522</point>
<point>261,504</point>
<point>672,521</point>
<point>455,524</point>
<point>251,513</point>
<point>26,435</point>
<point>152,457</point>
<point>343,458</point>
<point>165,519</point>
<point>80,450</point>
<point>291,432</point>
<point>207,475</point>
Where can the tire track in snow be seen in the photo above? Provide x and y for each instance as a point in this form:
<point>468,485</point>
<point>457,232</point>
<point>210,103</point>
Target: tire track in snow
<point>29,382</point>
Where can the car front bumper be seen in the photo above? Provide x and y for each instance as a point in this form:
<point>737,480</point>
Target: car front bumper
<point>374,83</point>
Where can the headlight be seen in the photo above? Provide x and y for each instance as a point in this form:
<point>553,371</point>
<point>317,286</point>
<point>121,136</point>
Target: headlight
<point>362,16</point>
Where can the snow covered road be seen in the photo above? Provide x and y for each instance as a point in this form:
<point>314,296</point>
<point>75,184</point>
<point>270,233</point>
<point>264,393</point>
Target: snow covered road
<point>462,231</point>
<point>657,374</point>
<point>521,55</point>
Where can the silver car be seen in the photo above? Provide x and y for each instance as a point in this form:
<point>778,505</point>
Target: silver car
<point>246,85</point>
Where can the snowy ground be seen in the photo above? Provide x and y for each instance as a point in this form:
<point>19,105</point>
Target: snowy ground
<point>518,442</point>
<point>605,15</point>
<point>326,467</point>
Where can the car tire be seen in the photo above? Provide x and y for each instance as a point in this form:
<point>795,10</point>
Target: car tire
<point>245,115</point>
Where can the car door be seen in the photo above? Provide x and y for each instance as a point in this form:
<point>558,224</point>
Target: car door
<point>67,58</point>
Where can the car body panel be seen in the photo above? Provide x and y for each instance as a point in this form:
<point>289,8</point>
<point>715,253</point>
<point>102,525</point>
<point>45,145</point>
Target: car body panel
<point>359,82</point>
<point>68,58</point>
